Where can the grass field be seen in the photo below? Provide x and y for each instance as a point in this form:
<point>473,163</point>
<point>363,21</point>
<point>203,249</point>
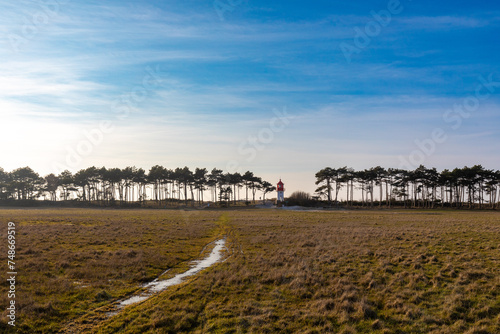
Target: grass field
<point>286,271</point>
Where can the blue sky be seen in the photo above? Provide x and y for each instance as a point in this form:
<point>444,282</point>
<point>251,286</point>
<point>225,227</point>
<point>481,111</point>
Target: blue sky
<point>200,83</point>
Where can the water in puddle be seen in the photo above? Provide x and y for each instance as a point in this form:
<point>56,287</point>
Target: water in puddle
<point>157,286</point>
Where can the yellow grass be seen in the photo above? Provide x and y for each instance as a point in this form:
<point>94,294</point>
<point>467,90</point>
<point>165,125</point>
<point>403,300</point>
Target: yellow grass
<point>288,272</point>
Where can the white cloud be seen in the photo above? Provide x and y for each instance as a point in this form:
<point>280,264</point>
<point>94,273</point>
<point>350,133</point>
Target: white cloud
<point>446,22</point>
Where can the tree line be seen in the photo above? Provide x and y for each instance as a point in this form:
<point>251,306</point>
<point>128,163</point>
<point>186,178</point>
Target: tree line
<point>423,187</point>
<point>131,184</point>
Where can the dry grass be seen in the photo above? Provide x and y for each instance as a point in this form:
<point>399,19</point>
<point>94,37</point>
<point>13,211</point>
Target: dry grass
<point>71,261</point>
<point>331,272</point>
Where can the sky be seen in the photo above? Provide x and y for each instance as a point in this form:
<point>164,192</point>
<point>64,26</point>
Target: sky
<point>280,88</point>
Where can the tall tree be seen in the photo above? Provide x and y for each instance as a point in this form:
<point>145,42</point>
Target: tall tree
<point>379,175</point>
<point>247,181</point>
<point>26,183</point>
<point>52,183</point>
<point>215,179</point>
<point>66,182</point>
<point>266,187</point>
<point>156,176</point>
<point>255,185</point>
<point>235,180</point>
<point>4,182</point>
<point>139,178</point>
<point>324,181</point>
<point>185,178</point>
<point>200,181</point>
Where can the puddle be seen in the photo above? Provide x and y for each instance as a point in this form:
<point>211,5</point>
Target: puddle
<point>160,285</point>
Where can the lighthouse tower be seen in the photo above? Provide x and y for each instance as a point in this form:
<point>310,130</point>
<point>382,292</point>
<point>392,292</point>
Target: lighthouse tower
<point>281,193</point>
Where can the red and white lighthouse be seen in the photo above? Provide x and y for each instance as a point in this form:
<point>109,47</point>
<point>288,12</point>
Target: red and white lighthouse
<point>281,193</point>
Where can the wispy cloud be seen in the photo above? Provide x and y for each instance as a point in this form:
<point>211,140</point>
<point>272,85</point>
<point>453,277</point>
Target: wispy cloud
<point>221,81</point>
<point>447,22</point>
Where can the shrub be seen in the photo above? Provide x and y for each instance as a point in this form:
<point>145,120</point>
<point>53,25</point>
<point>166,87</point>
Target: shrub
<point>300,198</point>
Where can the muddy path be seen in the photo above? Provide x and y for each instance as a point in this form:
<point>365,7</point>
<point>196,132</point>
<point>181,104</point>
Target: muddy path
<point>160,285</point>
<point>214,252</point>
<point>219,253</point>
<point>88,322</point>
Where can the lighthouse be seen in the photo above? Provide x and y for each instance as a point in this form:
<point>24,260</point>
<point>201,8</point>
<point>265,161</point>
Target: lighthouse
<point>281,193</point>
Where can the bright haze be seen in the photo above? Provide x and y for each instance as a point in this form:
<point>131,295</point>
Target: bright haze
<point>280,88</point>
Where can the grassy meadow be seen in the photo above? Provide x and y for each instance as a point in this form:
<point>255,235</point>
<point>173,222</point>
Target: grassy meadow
<point>285,272</point>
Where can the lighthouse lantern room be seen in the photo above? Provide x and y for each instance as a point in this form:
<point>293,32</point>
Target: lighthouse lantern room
<point>281,193</point>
